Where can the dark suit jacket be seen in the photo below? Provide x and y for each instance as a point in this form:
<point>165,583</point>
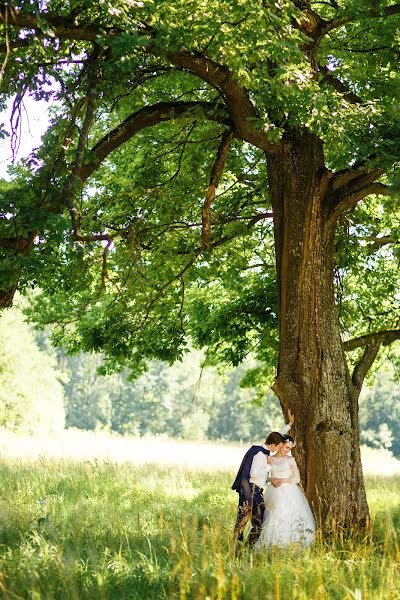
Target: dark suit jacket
<point>241,485</point>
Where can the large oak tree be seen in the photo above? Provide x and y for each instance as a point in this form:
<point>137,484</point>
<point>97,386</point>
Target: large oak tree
<point>202,178</point>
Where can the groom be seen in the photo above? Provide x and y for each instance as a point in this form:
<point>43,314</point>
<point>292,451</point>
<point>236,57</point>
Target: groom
<point>250,481</point>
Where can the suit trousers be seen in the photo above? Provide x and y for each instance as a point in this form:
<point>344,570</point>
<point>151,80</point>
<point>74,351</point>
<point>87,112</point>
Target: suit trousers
<point>250,509</point>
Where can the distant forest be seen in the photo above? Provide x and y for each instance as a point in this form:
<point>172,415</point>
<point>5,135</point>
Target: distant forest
<point>43,389</point>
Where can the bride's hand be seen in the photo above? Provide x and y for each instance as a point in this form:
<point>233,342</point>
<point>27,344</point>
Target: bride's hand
<point>276,482</point>
<point>269,460</point>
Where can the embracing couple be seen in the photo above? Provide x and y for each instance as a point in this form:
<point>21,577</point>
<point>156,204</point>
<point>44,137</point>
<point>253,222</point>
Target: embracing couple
<point>270,495</point>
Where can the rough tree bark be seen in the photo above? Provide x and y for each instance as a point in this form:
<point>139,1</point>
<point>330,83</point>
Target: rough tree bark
<point>313,378</point>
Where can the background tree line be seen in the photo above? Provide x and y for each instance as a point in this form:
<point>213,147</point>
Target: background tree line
<point>42,388</point>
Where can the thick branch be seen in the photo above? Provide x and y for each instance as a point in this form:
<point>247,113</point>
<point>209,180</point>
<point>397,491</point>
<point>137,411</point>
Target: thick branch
<point>148,116</point>
<point>7,295</point>
<point>371,343</point>
<point>358,193</point>
<point>61,26</point>
<point>383,338</point>
<point>215,177</point>
<point>20,245</point>
<point>352,186</point>
<point>345,177</point>
<point>237,97</point>
<point>364,364</point>
<point>371,14</point>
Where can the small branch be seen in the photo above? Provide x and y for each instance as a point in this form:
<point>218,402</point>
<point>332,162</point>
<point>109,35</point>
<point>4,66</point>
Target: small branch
<point>221,220</point>
<point>260,217</point>
<point>252,218</point>
<point>104,267</point>
<point>379,241</point>
<point>365,50</point>
<point>180,314</point>
<point>7,45</point>
<point>96,237</point>
<point>331,4</point>
<point>383,338</point>
<point>73,179</point>
<point>163,288</point>
<point>215,177</point>
<point>339,86</point>
<point>65,144</point>
<point>181,154</point>
<point>242,177</point>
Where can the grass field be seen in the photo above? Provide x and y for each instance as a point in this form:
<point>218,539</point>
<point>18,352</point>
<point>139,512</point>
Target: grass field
<point>84,528</point>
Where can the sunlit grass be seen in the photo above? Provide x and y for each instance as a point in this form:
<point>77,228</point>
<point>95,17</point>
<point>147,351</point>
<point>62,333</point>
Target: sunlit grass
<point>72,529</point>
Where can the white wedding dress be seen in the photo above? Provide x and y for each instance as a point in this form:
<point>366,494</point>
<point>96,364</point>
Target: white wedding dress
<point>288,518</point>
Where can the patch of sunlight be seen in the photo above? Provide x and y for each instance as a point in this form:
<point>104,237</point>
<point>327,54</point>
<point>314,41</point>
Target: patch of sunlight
<point>379,462</point>
<point>180,485</point>
<point>85,445</point>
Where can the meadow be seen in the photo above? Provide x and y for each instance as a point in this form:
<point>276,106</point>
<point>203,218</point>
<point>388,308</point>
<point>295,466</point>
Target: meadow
<point>79,528</point>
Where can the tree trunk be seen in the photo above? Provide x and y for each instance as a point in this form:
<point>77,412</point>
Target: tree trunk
<point>313,378</point>
<point>18,245</point>
<point>7,296</point>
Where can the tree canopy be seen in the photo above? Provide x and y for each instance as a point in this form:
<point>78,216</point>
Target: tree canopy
<point>147,101</point>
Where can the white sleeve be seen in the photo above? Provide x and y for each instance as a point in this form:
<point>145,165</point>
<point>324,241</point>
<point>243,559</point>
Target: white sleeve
<point>295,475</point>
<point>285,429</point>
<point>259,467</point>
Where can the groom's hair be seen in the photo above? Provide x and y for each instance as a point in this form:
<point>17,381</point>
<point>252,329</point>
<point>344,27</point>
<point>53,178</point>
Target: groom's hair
<point>274,438</point>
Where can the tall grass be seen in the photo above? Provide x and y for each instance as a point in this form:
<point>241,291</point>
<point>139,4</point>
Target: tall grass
<point>77,530</point>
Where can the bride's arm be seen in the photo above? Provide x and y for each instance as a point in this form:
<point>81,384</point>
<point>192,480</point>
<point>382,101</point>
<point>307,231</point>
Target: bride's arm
<point>295,474</point>
<point>286,428</point>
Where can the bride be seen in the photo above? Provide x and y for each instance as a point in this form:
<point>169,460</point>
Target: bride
<point>288,517</point>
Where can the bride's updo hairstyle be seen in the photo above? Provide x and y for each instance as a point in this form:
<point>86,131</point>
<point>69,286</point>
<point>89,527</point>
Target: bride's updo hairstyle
<point>288,438</point>
<point>274,438</point>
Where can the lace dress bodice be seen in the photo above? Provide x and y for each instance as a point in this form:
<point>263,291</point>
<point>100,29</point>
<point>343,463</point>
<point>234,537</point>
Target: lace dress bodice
<point>285,468</point>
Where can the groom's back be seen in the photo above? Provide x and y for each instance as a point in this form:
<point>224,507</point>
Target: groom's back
<point>244,469</point>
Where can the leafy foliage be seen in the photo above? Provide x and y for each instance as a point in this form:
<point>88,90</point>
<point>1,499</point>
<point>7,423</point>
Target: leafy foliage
<point>131,275</point>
